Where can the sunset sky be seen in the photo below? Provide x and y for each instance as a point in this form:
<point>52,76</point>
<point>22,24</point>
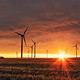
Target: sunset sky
<point>54,25</point>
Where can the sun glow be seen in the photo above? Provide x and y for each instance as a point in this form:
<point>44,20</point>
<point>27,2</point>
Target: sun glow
<point>62,55</point>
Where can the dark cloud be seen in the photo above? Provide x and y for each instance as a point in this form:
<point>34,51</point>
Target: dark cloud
<point>15,12</point>
<point>66,27</point>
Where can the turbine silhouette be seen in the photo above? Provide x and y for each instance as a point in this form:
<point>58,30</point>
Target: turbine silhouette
<point>34,46</point>
<point>47,53</point>
<point>76,48</point>
<point>31,50</point>
<point>22,36</point>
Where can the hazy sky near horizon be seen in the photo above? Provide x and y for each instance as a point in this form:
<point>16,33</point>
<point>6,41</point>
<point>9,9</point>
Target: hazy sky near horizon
<point>55,24</point>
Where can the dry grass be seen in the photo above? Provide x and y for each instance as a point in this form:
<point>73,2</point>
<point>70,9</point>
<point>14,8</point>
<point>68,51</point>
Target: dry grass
<point>40,69</point>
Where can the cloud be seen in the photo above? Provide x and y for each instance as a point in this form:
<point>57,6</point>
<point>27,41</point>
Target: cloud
<point>15,11</point>
<point>47,18</point>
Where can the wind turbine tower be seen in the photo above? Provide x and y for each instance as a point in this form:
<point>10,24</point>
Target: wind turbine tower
<point>76,47</point>
<point>32,51</point>
<point>16,54</point>
<point>47,53</point>
<point>34,47</point>
<point>22,36</point>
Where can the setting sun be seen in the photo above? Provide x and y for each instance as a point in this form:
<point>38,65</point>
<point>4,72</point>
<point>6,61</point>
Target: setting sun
<point>62,55</point>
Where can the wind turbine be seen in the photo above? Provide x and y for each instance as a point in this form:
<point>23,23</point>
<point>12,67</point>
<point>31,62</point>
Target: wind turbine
<point>47,53</point>
<point>76,46</point>
<point>34,47</point>
<point>16,54</point>
<point>32,51</point>
<point>22,36</point>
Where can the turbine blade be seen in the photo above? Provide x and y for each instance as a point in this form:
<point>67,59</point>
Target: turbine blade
<point>18,33</point>
<point>74,46</point>
<point>32,40</point>
<point>26,30</point>
<point>25,41</point>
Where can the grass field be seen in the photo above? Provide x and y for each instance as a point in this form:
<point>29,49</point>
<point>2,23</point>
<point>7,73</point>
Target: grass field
<point>40,69</point>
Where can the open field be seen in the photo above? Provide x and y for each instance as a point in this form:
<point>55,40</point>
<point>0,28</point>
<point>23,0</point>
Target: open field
<point>40,69</point>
